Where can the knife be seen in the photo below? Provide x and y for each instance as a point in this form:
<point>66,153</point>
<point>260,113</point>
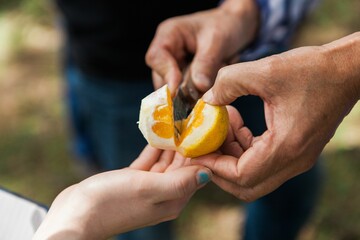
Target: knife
<point>184,101</point>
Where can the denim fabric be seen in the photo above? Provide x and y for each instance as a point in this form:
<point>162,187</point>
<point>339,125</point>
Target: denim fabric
<point>279,19</point>
<point>281,214</point>
<point>103,116</point>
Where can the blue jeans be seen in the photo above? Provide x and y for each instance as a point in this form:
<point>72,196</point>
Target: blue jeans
<point>104,113</point>
<point>282,213</point>
<point>103,116</point>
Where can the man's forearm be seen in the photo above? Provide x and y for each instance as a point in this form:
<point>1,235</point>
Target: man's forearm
<point>344,55</point>
<point>247,12</point>
<point>240,7</point>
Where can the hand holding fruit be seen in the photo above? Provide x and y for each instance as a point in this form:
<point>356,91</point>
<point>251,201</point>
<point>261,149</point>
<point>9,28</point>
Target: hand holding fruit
<point>306,93</point>
<point>155,188</point>
<point>213,37</point>
<point>203,131</point>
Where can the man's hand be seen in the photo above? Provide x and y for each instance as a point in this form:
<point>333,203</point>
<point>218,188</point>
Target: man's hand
<point>213,37</point>
<point>307,92</point>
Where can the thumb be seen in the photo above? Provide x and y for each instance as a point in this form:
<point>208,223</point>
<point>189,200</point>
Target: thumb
<point>180,183</point>
<point>235,81</point>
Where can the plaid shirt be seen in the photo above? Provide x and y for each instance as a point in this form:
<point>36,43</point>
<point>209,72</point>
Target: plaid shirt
<point>279,20</point>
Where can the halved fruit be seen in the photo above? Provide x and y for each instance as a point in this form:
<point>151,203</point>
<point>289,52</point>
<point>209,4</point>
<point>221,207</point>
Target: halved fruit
<point>203,131</point>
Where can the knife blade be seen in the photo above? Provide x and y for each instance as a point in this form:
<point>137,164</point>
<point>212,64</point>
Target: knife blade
<point>184,101</point>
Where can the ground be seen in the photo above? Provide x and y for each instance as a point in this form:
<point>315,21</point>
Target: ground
<point>36,160</point>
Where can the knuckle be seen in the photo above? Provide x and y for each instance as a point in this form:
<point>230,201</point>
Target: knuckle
<point>274,72</point>
<point>272,64</point>
<point>245,196</point>
<point>244,137</point>
<point>151,55</point>
<point>166,24</point>
<point>246,190</point>
<point>207,60</point>
<point>222,74</point>
<point>244,181</point>
<point>169,25</point>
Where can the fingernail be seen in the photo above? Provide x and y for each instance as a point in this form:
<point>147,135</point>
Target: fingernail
<point>202,79</point>
<point>208,96</point>
<point>203,177</point>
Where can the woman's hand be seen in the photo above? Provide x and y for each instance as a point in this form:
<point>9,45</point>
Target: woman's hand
<point>121,200</point>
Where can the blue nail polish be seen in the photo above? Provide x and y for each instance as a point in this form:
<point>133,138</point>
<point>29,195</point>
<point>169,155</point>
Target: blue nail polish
<point>203,178</point>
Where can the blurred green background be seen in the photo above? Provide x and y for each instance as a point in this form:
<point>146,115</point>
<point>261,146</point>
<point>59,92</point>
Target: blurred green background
<point>36,161</point>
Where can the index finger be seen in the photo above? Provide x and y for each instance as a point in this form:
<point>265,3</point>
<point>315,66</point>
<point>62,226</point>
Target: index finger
<point>147,158</point>
<point>161,61</point>
<point>241,79</point>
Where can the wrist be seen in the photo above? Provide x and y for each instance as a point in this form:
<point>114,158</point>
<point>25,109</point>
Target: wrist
<point>248,14</point>
<point>86,218</point>
<point>343,55</point>
<point>71,217</point>
<point>241,7</point>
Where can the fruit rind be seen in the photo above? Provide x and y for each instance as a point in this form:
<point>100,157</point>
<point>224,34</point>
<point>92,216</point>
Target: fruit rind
<point>205,128</point>
<point>212,138</point>
<point>149,104</point>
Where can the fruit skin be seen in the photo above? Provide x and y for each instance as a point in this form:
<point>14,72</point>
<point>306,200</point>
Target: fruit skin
<point>205,128</point>
<point>211,140</point>
<point>158,99</point>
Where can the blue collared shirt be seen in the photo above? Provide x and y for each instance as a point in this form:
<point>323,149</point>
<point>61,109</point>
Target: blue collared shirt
<point>278,21</point>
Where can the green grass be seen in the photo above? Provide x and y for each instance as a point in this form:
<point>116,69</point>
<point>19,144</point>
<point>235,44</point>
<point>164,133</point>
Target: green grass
<point>338,213</point>
<point>37,10</point>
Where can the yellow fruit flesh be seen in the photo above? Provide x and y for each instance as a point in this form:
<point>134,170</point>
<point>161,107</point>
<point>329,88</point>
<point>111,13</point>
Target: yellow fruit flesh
<point>212,139</point>
<point>203,131</point>
<point>163,115</point>
<point>198,119</point>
